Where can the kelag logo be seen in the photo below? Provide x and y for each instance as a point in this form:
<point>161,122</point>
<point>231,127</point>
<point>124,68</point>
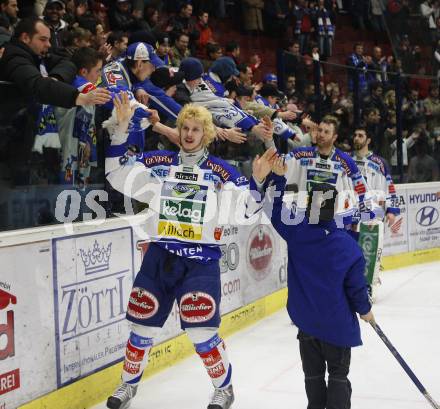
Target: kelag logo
<point>93,275</point>
<point>9,380</point>
<point>427,216</point>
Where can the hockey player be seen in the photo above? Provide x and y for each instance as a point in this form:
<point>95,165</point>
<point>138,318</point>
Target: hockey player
<point>324,163</point>
<point>182,263</point>
<point>324,293</point>
<point>381,186</point>
<point>376,174</point>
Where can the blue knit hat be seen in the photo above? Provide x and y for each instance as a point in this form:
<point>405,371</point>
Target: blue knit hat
<point>224,67</point>
<point>192,68</point>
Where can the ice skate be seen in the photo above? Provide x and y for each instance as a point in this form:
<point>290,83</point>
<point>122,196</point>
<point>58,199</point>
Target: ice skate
<point>222,398</point>
<point>122,396</point>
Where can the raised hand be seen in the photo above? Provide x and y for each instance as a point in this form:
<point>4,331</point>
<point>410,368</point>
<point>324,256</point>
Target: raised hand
<point>279,166</point>
<point>262,166</point>
<point>124,111</point>
<point>234,135</point>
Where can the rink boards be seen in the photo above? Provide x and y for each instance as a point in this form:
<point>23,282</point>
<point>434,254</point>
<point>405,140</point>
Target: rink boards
<point>64,289</point>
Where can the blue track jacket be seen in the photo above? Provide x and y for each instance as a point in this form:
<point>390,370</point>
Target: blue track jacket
<point>326,284</point>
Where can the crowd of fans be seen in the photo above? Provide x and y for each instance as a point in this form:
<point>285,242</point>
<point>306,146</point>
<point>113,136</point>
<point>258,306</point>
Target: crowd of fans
<point>55,97</point>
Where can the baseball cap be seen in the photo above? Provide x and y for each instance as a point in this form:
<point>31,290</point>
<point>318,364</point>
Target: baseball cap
<point>59,2</point>
<point>144,52</point>
<point>192,68</point>
<point>270,90</point>
<point>164,78</point>
<point>270,77</point>
<point>224,67</point>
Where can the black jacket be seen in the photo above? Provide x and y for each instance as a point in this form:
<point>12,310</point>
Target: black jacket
<point>21,66</point>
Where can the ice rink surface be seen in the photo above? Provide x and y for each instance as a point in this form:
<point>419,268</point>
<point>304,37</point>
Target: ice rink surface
<point>267,371</point>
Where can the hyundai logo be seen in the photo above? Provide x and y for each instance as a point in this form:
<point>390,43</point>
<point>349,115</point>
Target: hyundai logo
<point>427,216</point>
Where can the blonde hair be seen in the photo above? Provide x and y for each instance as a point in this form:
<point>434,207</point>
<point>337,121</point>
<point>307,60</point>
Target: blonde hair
<point>331,120</point>
<point>199,114</point>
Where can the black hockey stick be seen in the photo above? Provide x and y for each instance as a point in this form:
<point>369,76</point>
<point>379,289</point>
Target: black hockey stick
<point>405,366</point>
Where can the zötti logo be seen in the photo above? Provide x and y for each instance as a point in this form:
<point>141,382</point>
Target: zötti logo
<point>142,304</point>
<point>427,216</point>
<point>197,307</point>
<point>260,249</point>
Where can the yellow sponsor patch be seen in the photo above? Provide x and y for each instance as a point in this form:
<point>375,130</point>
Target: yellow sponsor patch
<point>180,230</point>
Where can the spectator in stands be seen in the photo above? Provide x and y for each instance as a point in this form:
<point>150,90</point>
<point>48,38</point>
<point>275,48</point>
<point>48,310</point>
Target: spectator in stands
<point>76,38</point>
<point>325,29</point>
<point>213,52</point>
<point>42,77</point>
<point>374,127</point>
<point>295,65</point>
<point>224,69</point>
<point>76,126</point>
<point>205,33</point>
<point>413,110</point>
<point>290,87</point>
<point>422,167</point>
<point>304,26</point>
<point>245,75</point>
<point>270,78</point>
<point>184,23</point>
<point>9,11</point>
<point>378,63</point>
<point>232,50</point>
<point>100,14</point>
<point>180,49</point>
<point>121,17</point>
<point>277,14</point>
<point>163,49</point>
<point>376,100</point>
<point>252,15</point>
<point>357,60</point>
<point>5,33</point>
<point>377,18</point>
<point>432,109</point>
<point>151,21</point>
<point>407,143</point>
<point>53,13</point>
<point>162,78</point>
<point>119,42</point>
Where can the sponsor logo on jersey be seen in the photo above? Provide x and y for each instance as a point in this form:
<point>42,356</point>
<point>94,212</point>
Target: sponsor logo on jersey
<point>325,166</point>
<point>197,307</point>
<point>344,164</point>
<point>304,154</point>
<point>184,190</point>
<point>192,177</point>
<point>179,230</point>
<point>260,251</point>
<point>359,187</point>
<point>151,160</point>
<point>211,177</point>
<point>182,211</point>
<point>142,304</point>
<point>318,176</point>
<point>217,168</point>
<point>161,171</point>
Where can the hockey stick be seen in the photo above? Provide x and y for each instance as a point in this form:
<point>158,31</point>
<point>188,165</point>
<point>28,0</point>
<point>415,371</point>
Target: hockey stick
<point>404,365</point>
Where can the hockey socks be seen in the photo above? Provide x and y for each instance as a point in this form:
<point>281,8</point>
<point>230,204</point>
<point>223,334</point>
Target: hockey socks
<point>215,359</point>
<point>136,358</point>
